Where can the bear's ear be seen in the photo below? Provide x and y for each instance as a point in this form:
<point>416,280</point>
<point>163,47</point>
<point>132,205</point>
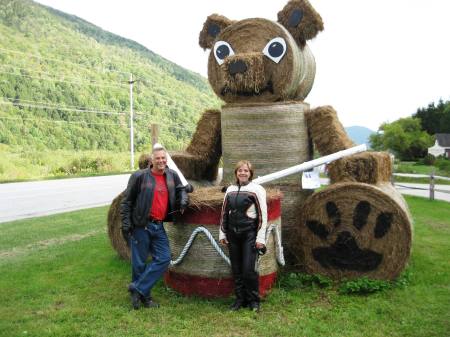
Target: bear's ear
<point>213,25</point>
<point>301,20</point>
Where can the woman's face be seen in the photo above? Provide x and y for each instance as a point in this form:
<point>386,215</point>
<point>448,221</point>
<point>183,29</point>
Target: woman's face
<point>243,174</point>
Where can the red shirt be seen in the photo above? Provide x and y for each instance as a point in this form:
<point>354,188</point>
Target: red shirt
<point>160,198</point>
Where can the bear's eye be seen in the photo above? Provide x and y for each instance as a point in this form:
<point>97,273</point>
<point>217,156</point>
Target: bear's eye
<point>275,49</point>
<point>222,49</point>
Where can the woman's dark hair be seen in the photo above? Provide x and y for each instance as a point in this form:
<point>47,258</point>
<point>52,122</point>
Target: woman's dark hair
<point>241,163</point>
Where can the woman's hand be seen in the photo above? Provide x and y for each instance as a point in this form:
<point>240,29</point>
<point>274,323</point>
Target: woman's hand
<point>223,242</point>
<point>259,245</point>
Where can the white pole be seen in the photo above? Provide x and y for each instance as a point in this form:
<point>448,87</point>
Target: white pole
<point>131,124</point>
<point>310,164</point>
<point>172,164</point>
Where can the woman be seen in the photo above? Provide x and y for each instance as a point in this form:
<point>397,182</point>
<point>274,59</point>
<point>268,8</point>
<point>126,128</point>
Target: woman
<point>243,230</point>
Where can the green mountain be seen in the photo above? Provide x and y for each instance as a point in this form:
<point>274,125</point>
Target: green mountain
<point>64,85</point>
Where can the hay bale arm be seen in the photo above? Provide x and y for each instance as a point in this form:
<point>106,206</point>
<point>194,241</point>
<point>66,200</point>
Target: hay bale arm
<point>200,161</point>
<point>326,130</point>
<point>329,136</point>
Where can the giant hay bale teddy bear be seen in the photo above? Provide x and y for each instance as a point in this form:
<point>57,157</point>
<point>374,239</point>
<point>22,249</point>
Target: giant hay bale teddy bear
<point>263,70</point>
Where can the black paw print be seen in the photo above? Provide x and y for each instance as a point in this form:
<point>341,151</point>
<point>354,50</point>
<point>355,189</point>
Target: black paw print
<point>345,253</point>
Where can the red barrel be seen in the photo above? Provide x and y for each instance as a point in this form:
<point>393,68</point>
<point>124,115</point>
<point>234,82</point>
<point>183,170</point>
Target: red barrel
<point>203,272</point>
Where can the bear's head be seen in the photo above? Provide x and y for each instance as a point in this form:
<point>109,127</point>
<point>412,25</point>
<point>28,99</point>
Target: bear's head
<point>258,60</point>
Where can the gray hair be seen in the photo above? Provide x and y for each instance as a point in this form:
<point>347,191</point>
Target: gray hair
<point>157,149</point>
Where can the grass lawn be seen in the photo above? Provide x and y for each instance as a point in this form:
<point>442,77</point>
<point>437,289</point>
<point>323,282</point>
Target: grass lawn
<point>60,277</point>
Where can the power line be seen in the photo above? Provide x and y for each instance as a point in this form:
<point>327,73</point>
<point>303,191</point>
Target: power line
<point>60,108</point>
<point>63,81</point>
<point>60,61</point>
<point>57,121</point>
<point>13,100</point>
<point>46,73</point>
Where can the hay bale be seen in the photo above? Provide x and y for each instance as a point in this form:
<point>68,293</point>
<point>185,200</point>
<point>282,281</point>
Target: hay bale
<point>366,167</point>
<point>271,136</point>
<point>262,81</point>
<point>145,160</point>
<point>114,223</point>
<point>352,230</point>
<point>291,208</point>
<point>203,272</point>
<point>114,228</point>
<point>327,131</point>
<point>307,26</point>
<point>200,161</point>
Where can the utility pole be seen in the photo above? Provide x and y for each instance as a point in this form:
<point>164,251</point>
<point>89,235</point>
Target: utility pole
<point>154,130</point>
<point>131,124</point>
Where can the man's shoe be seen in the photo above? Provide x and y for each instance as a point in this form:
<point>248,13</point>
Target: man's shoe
<point>254,306</point>
<point>237,305</point>
<point>135,298</point>
<point>148,302</point>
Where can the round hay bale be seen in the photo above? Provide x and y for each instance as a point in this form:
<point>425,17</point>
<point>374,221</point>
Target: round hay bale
<point>203,272</point>
<point>114,228</point>
<point>351,230</point>
<point>291,207</point>
<point>263,81</point>
<point>276,139</point>
<point>114,219</point>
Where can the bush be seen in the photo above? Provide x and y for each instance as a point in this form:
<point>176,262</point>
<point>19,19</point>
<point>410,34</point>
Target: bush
<point>428,160</point>
<point>443,164</point>
<point>365,285</point>
<point>299,280</point>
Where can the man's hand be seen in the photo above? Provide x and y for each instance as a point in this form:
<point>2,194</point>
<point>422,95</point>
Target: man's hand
<point>223,242</point>
<point>259,245</point>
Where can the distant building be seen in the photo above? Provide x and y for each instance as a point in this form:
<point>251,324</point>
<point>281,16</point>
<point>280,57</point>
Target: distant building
<point>442,145</point>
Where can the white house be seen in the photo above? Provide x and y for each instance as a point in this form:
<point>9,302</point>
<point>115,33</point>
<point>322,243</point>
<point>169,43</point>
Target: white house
<point>442,145</point>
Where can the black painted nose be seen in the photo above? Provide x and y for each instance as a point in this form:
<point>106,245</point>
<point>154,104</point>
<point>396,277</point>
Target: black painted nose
<point>236,67</point>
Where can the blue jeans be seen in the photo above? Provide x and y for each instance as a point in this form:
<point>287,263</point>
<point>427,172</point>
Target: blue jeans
<point>151,239</point>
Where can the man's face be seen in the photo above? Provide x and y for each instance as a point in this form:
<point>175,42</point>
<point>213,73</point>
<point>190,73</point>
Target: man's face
<point>159,160</point>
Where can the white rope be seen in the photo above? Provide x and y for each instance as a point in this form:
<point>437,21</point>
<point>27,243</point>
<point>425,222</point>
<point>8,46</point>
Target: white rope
<point>189,243</point>
<point>278,246</point>
<point>272,228</point>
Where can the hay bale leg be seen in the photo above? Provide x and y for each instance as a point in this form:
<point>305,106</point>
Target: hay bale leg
<point>351,230</point>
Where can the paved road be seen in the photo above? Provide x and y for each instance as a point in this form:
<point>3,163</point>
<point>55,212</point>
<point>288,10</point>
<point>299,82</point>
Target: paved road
<point>30,199</point>
<point>442,192</point>
<point>37,198</point>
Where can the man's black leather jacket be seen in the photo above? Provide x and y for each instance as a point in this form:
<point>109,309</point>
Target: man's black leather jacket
<point>136,204</point>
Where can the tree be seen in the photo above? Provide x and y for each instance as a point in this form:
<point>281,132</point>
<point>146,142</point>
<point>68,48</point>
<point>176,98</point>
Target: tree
<point>435,118</point>
<point>404,137</point>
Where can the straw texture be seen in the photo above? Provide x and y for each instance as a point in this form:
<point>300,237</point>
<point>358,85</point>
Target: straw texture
<point>327,131</point>
<point>202,259</point>
<point>271,136</point>
<point>263,79</point>
<point>306,28</point>
<point>366,167</point>
<point>352,230</point>
<point>201,159</point>
<point>114,229</point>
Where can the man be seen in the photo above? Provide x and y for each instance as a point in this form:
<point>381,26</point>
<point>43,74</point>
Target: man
<point>152,196</point>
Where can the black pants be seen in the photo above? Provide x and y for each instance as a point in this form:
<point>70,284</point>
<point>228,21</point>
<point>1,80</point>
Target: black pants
<point>243,258</point>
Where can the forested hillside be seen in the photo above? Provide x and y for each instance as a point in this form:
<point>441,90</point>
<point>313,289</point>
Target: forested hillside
<point>64,85</point>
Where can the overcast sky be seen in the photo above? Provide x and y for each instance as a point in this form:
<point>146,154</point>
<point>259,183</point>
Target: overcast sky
<point>377,61</point>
